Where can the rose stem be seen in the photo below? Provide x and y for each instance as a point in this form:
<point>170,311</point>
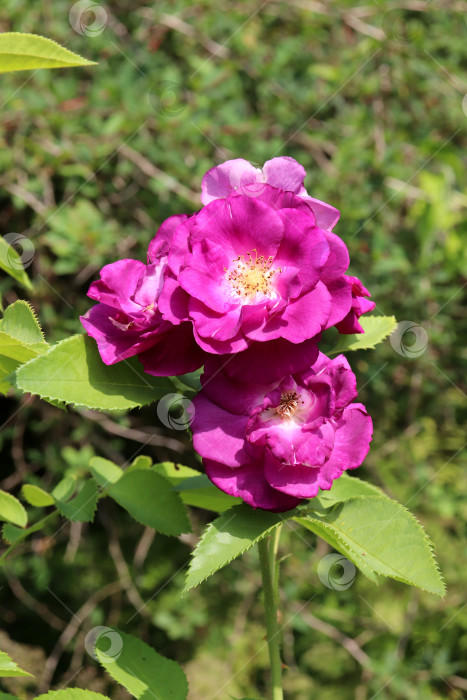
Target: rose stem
<point>267,556</point>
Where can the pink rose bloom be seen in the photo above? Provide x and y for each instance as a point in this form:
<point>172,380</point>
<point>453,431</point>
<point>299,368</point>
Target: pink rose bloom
<point>360,305</point>
<point>255,269</point>
<point>284,173</point>
<point>127,320</point>
<point>276,444</point>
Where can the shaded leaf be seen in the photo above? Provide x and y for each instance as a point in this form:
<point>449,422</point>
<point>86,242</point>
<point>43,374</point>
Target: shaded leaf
<point>19,321</point>
<point>150,499</point>
<point>81,509</point>
<point>142,671</point>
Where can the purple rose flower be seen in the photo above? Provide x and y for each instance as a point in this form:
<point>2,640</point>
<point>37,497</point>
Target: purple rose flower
<point>276,444</point>
<point>127,320</point>
<point>284,173</point>
<point>360,305</point>
<point>247,269</point>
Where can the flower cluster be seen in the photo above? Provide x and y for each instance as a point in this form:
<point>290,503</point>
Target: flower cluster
<point>245,287</point>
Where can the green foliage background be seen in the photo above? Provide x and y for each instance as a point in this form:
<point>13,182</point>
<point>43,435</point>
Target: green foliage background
<point>371,99</point>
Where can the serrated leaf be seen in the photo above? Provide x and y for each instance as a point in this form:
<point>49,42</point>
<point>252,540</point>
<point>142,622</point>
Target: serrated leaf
<point>36,496</point>
<point>387,536</point>
<point>104,471</point>
<point>229,536</point>
<point>9,669</point>
<point>71,694</point>
<point>30,52</point>
<point>376,328</point>
<point>16,350</point>
<point>81,509</point>
<point>12,510</point>
<point>19,321</point>
<point>328,535</point>
<point>11,533</point>
<point>346,487</point>
<point>141,670</point>
<point>150,499</point>
<point>73,371</point>
<point>10,262</point>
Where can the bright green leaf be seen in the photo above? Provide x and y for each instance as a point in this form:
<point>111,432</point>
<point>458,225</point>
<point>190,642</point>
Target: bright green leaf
<point>141,670</point>
<point>65,488</point>
<point>150,499</point>
<point>9,669</point>
<point>175,473</point>
<point>71,694</point>
<point>387,536</point>
<point>10,262</point>
<point>16,350</point>
<point>376,328</point>
<point>81,509</point>
<point>104,471</point>
<point>12,510</point>
<point>30,52</point>
<point>73,371</point>
<point>19,321</point>
<point>7,368</point>
<point>229,536</point>
<point>36,496</point>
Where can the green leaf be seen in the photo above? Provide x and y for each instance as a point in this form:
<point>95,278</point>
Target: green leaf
<point>7,368</point>
<point>104,471</point>
<point>229,536</point>
<point>11,533</point>
<point>19,321</point>
<point>376,328</point>
<point>141,462</point>
<point>72,371</point>
<point>194,488</point>
<point>387,536</point>
<point>200,492</point>
<point>16,350</point>
<point>149,498</point>
<point>9,669</point>
<point>65,488</point>
<point>142,671</point>
<point>12,510</point>
<point>30,52</point>
<point>81,509</point>
<point>10,262</point>
<point>71,694</point>
<point>7,696</point>
<point>36,496</point>
<point>346,487</point>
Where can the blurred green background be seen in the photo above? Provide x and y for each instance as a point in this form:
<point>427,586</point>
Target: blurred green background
<point>371,99</point>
